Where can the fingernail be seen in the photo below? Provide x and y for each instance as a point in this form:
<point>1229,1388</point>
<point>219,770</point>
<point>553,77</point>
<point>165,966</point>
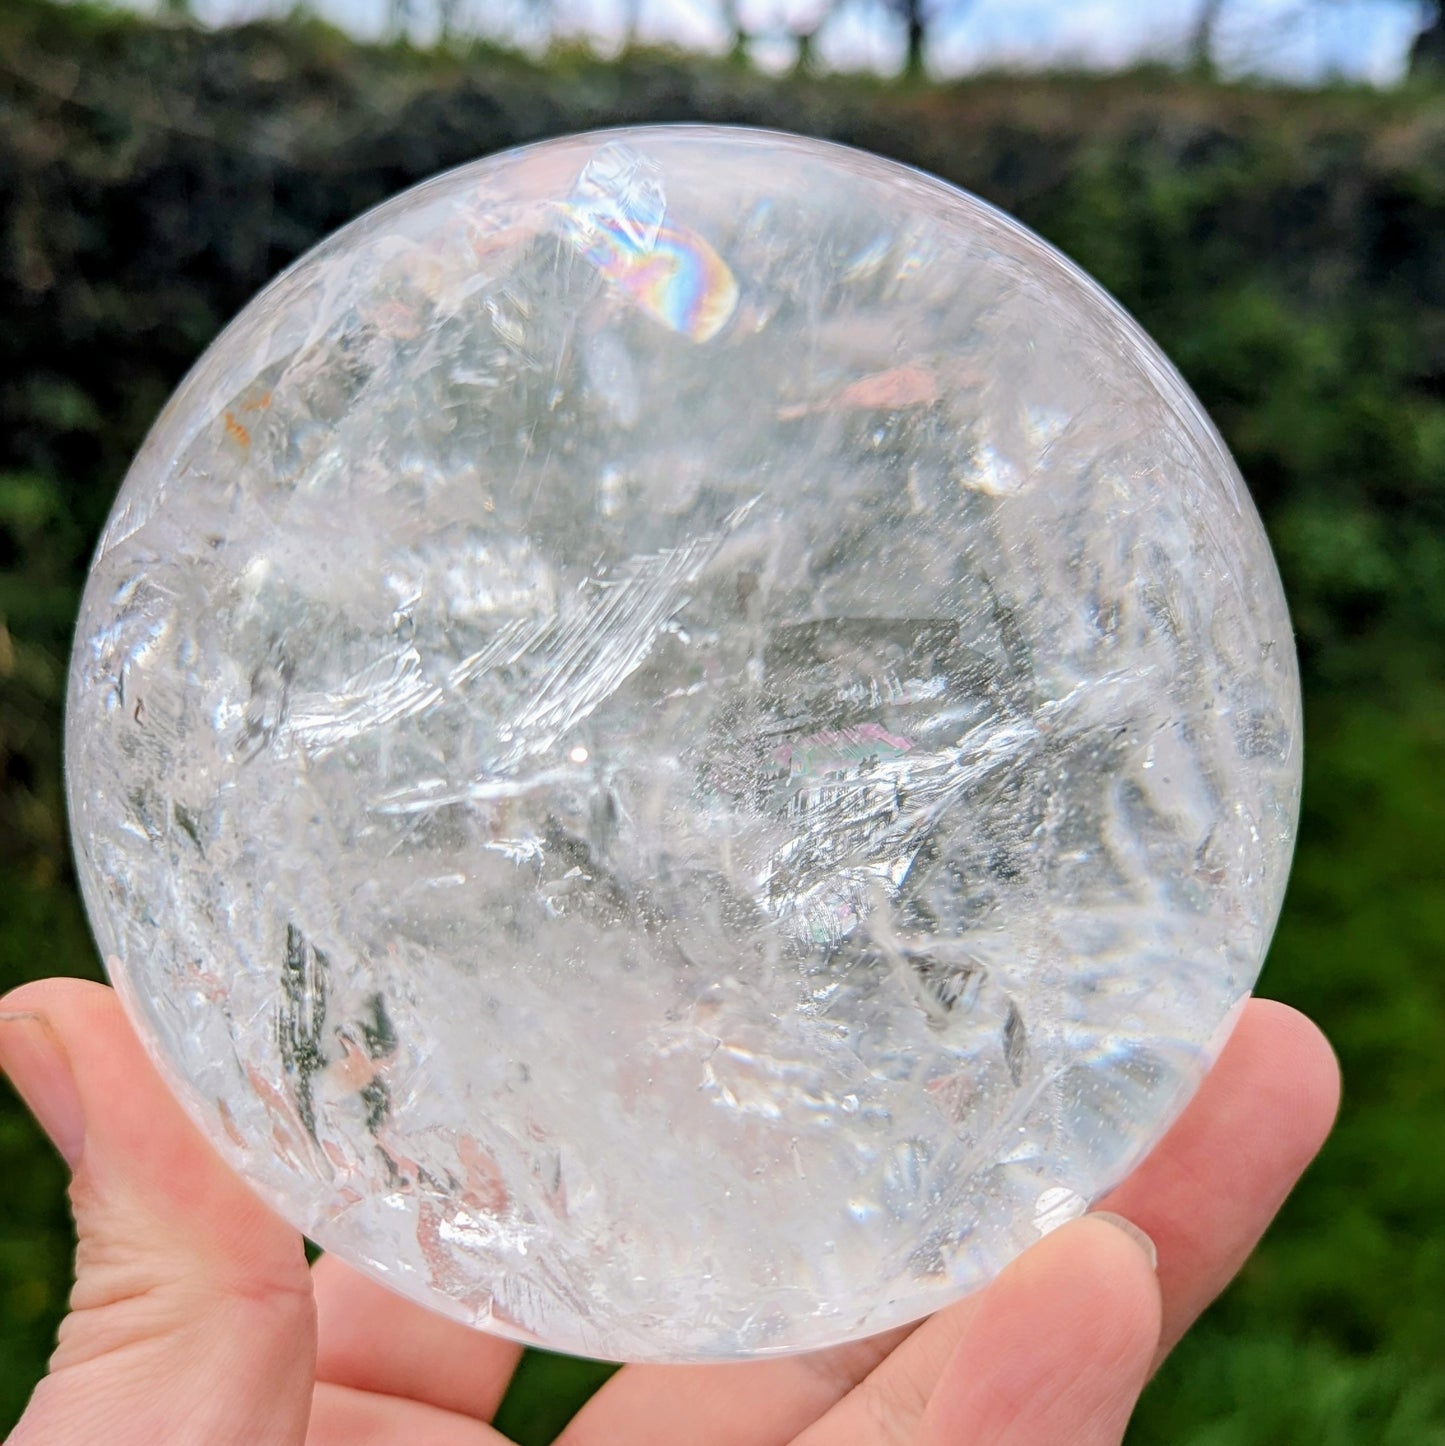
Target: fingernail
<point>36,1062</point>
<point>1132,1231</point>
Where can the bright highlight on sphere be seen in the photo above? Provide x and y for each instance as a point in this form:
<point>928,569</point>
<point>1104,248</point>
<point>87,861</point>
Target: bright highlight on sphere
<point>680,741</point>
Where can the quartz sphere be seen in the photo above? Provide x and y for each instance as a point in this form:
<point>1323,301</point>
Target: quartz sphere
<point>680,741</point>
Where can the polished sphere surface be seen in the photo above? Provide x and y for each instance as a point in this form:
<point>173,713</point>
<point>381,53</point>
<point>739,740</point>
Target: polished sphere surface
<point>681,740</point>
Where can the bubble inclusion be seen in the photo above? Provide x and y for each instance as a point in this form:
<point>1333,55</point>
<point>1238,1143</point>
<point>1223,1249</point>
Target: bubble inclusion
<point>682,740</point>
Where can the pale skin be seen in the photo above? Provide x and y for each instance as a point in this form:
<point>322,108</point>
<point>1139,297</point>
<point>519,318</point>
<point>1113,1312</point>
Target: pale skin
<point>195,1317</point>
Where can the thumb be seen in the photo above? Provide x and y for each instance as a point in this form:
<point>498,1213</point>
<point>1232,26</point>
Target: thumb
<point>192,1317</point>
<point>1069,1332</point>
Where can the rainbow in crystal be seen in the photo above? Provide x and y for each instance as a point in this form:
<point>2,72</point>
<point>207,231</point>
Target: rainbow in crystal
<point>678,280</point>
<point>615,218</point>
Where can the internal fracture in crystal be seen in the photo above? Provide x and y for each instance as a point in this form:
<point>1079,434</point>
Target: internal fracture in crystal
<point>680,741</point>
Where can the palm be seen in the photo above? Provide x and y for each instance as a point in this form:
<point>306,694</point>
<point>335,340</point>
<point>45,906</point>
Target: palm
<point>1054,1352</point>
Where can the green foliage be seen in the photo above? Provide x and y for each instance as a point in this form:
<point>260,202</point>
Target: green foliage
<point>546,1392</point>
<point>1256,1386</point>
<point>1284,248</point>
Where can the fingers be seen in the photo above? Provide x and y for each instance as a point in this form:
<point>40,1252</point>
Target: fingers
<point>1207,1193</point>
<point>765,1403</point>
<point>345,1417</point>
<point>374,1339</point>
<point>1053,1353</point>
<point>191,1317</point>
<point>1204,1195</point>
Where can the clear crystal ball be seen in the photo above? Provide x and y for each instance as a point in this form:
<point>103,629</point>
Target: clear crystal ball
<point>681,740</point>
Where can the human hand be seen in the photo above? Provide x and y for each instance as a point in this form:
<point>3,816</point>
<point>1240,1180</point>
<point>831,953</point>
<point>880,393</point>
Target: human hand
<point>195,1318</point>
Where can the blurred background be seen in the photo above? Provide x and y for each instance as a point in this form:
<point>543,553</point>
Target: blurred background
<point>1262,182</point>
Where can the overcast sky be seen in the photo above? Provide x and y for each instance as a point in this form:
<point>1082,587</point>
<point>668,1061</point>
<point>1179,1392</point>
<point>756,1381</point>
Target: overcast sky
<point>1295,39</point>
